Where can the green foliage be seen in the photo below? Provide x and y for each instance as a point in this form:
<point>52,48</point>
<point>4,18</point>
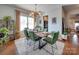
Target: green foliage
<point>4,30</point>
<point>6,18</point>
<point>14,25</point>
<point>4,40</point>
<point>39,27</point>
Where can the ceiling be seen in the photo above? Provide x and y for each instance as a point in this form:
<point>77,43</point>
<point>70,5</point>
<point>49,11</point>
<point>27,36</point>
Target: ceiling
<point>40,7</point>
<point>70,7</point>
<point>73,9</point>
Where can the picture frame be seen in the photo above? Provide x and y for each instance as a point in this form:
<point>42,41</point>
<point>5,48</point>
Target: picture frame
<point>54,20</point>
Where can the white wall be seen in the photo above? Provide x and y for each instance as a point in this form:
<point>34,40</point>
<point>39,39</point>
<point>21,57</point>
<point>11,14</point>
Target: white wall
<point>6,10</point>
<point>57,12</point>
<point>38,21</point>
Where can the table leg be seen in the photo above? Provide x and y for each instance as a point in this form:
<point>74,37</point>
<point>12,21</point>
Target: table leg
<point>41,45</point>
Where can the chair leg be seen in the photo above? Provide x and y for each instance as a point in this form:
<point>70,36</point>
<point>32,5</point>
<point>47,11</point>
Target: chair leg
<point>52,50</point>
<point>27,42</point>
<point>48,51</point>
<point>34,47</point>
<point>56,46</point>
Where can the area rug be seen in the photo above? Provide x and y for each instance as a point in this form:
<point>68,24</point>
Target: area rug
<point>24,48</point>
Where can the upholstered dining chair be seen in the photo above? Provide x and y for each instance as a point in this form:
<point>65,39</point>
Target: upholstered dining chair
<point>52,40</point>
<point>34,38</point>
<point>26,33</point>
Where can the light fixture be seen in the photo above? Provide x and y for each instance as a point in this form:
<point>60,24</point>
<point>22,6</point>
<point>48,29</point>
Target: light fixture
<point>35,13</point>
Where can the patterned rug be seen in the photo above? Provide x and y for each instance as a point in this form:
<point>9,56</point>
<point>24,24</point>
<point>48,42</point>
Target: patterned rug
<point>25,47</point>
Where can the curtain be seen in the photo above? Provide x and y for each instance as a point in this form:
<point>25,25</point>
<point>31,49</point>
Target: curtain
<point>17,24</point>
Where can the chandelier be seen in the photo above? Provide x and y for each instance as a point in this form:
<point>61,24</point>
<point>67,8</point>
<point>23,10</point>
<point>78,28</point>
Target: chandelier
<point>35,13</point>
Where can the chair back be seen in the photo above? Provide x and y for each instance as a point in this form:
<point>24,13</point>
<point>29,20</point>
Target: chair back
<point>26,32</point>
<point>55,37</point>
<point>32,35</point>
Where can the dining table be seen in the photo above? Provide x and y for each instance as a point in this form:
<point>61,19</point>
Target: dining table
<point>43,35</point>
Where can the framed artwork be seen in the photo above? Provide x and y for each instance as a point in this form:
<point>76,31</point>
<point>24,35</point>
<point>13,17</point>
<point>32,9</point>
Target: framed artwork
<point>53,20</point>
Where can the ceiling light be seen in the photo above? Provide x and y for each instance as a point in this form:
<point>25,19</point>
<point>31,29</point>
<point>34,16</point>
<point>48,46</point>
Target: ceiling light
<point>35,13</point>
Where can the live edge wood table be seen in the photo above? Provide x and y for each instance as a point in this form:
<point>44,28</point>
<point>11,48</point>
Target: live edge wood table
<point>43,35</point>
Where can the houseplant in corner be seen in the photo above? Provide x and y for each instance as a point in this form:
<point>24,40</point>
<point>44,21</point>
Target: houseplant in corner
<point>6,19</point>
<point>4,38</point>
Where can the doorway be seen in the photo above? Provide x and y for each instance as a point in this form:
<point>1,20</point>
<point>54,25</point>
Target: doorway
<point>45,18</point>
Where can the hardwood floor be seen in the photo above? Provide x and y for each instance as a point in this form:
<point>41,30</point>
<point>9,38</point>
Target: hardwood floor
<point>8,49</point>
<point>72,46</point>
<point>69,49</point>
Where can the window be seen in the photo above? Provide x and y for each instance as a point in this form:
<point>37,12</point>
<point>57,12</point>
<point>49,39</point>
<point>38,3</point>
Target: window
<point>23,22</point>
<point>30,23</point>
<point>26,22</point>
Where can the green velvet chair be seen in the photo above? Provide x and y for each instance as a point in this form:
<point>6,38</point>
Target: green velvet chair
<point>26,33</point>
<point>52,40</point>
<point>34,38</point>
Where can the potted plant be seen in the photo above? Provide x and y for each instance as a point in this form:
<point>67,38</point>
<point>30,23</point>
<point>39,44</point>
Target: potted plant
<point>6,19</point>
<point>4,30</point>
<point>5,33</point>
<point>38,28</point>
